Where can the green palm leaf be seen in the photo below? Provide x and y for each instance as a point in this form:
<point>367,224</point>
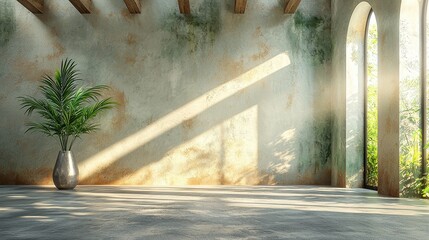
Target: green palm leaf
<point>66,109</point>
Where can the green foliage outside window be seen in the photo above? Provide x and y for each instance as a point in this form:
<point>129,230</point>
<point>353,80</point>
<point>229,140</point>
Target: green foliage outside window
<point>372,133</point>
<point>410,167</point>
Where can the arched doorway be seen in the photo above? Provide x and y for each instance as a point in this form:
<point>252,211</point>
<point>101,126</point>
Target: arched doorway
<point>371,103</point>
<point>412,89</point>
<point>356,72</point>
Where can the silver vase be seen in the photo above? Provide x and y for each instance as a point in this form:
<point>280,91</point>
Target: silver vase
<point>66,173</point>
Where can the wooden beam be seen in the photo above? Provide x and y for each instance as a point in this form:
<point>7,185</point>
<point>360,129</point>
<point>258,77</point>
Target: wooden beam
<point>133,6</point>
<point>291,6</point>
<point>83,6</point>
<point>184,7</point>
<point>240,6</point>
<point>35,6</point>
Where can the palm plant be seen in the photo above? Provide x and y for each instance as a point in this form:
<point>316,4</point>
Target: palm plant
<point>66,110</point>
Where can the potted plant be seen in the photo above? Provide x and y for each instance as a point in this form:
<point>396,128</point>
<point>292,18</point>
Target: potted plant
<point>66,112</point>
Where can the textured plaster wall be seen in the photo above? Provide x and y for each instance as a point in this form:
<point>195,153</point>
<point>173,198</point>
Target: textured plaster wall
<point>387,13</point>
<point>213,98</point>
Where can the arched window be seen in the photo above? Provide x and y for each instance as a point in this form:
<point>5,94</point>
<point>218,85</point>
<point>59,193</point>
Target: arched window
<point>371,106</point>
<point>412,92</point>
<point>356,75</point>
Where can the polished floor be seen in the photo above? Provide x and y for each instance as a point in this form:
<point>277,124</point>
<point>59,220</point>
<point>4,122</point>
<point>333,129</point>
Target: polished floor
<point>224,212</point>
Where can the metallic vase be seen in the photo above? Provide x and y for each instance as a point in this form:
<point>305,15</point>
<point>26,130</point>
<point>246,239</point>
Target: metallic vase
<point>66,173</point>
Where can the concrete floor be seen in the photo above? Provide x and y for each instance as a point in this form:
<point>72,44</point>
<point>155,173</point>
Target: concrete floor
<point>224,212</point>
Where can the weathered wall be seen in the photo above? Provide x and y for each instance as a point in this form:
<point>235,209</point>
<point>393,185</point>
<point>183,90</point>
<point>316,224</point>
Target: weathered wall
<point>387,13</point>
<point>214,98</point>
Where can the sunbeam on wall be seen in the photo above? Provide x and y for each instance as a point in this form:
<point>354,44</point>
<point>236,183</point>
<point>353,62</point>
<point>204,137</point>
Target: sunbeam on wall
<point>127,145</point>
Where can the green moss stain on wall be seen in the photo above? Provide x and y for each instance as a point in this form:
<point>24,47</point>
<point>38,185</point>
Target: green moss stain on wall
<point>7,22</point>
<point>192,32</point>
<point>322,140</point>
<point>314,150</point>
<point>311,37</point>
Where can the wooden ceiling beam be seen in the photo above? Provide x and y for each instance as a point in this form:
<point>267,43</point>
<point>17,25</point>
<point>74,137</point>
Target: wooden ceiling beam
<point>240,6</point>
<point>83,6</point>
<point>184,6</point>
<point>34,6</point>
<point>291,6</point>
<point>133,6</point>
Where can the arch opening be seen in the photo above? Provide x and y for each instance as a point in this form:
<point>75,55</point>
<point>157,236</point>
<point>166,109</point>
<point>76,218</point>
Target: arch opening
<point>356,73</point>
<point>411,98</point>
<point>371,103</point>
